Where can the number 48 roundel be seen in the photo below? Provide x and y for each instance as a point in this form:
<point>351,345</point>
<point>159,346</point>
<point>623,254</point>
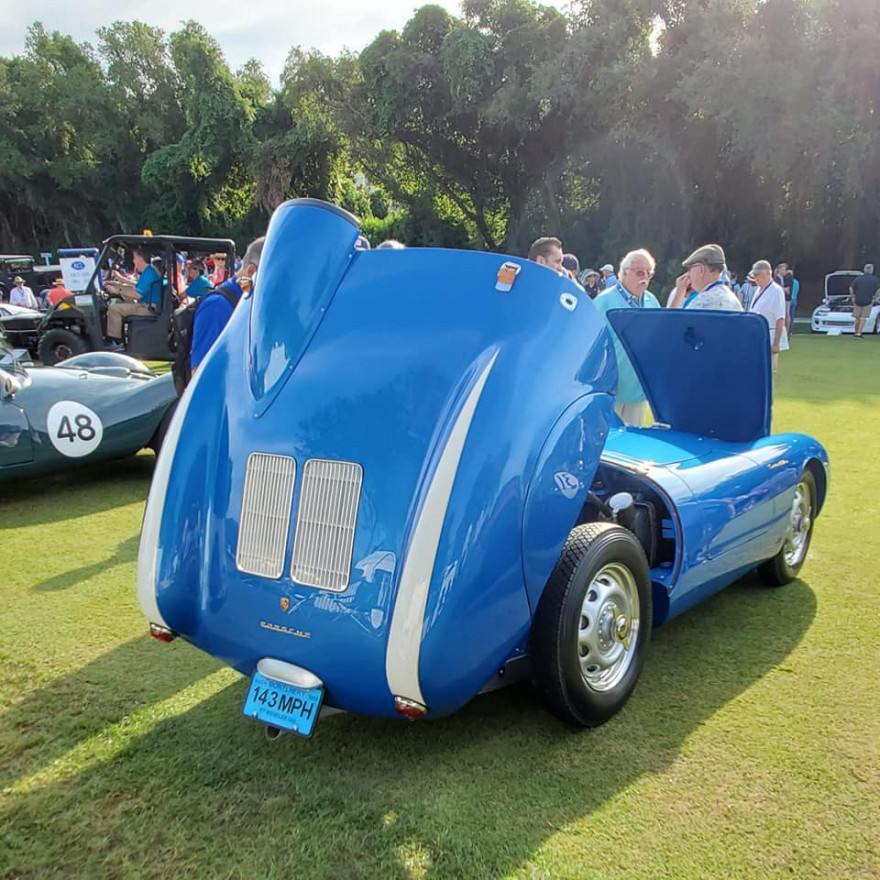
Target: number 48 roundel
<point>74,429</point>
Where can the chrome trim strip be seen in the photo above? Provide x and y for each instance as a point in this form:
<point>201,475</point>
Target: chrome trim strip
<point>148,549</point>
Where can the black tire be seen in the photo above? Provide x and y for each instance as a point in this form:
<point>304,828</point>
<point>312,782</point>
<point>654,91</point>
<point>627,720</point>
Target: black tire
<point>783,568</point>
<point>58,344</point>
<point>158,437</point>
<point>601,565</point>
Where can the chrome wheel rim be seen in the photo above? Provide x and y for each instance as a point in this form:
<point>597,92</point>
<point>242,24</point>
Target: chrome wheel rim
<point>608,627</point>
<point>795,546</point>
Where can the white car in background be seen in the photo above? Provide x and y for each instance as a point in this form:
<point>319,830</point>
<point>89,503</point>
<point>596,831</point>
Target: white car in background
<point>835,315</point>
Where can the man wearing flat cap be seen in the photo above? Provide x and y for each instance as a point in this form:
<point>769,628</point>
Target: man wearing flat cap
<point>702,285</point>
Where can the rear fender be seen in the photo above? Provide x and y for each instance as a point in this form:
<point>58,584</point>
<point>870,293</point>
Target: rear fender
<point>559,486</point>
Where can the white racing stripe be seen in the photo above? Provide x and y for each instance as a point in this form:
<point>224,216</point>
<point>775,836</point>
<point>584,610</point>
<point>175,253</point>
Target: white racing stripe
<point>407,621</point>
<point>148,550</point>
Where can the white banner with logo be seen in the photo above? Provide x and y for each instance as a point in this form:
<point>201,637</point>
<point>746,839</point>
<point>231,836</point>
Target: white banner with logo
<point>77,271</point>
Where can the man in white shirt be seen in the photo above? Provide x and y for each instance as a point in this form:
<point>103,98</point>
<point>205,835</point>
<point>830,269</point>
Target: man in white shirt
<point>769,301</point>
<point>20,295</point>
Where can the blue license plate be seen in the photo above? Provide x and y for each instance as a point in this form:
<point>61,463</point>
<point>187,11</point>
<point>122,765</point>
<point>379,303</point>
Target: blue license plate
<point>283,705</point>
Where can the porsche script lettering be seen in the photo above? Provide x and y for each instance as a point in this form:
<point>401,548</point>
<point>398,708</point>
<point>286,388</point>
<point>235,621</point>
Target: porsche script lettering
<point>286,630</point>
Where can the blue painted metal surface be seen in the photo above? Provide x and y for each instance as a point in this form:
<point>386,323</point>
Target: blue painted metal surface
<point>374,370</point>
<point>479,416</point>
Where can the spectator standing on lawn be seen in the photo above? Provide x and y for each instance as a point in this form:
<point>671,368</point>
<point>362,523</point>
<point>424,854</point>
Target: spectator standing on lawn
<point>214,311</point>
<point>701,286</point>
<point>769,302</point>
<point>862,292</point>
<point>218,276</point>
<point>547,251</point>
<point>591,283</point>
<point>609,279</point>
<point>572,266</point>
<point>21,295</point>
<point>629,292</point>
<point>57,293</point>
<point>747,291</point>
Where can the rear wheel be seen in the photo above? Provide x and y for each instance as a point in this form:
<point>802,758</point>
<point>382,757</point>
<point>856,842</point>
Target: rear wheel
<point>592,626</point>
<point>783,568</point>
<point>58,344</point>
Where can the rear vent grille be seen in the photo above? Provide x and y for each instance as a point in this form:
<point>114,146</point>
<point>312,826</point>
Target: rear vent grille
<point>265,514</point>
<point>328,506</point>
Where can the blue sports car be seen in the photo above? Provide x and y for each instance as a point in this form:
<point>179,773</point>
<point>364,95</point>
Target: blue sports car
<point>415,488</point>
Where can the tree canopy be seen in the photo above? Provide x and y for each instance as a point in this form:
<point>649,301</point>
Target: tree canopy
<point>656,123</point>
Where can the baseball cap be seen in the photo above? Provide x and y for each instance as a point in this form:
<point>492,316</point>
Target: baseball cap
<point>707,255</point>
<point>761,266</point>
<point>607,268</point>
<point>571,262</point>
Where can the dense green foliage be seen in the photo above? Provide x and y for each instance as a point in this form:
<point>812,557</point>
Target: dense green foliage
<point>661,123</point>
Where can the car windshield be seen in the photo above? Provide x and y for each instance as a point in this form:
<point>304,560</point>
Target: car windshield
<point>8,360</point>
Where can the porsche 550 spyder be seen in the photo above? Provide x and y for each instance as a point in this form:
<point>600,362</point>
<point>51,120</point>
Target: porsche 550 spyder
<point>96,407</point>
<point>416,489</point>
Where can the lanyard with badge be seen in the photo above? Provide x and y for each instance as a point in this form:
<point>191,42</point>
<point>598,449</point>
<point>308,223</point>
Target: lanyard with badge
<point>696,293</point>
<point>635,302</point>
<point>754,302</point>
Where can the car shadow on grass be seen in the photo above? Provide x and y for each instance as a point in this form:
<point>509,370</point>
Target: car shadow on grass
<point>473,795</point>
<point>52,720</point>
<point>79,492</point>
<point>126,551</point>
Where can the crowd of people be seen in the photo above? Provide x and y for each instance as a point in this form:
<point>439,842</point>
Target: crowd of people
<point>704,284</point>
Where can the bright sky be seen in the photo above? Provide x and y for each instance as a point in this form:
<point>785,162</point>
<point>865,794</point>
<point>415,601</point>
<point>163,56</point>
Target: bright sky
<point>263,29</point>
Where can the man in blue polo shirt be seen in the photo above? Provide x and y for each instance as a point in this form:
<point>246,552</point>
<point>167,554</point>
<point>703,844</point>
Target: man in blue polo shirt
<point>142,298</point>
<point>630,291</point>
<point>215,310</point>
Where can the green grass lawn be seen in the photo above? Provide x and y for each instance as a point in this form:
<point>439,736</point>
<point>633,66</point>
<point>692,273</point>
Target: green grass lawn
<point>751,747</point>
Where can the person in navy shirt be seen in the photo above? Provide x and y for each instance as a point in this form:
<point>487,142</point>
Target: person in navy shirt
<point>142,298</point>
<point>214,310</point>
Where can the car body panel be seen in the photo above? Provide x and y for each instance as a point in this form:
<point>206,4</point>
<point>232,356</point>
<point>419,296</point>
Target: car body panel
<point>730,501</point>
<point>835,314</point>
<point>677,361</point>
<point>405,337</point>
<point>128,404</point>
<point>477,420</point>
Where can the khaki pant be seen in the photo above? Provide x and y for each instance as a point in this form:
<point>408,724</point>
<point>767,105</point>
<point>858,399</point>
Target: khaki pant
<point>632,413</point>
<point>118,311</point>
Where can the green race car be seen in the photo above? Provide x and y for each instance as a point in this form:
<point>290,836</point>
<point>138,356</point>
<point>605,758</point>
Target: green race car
<point>96,407</point>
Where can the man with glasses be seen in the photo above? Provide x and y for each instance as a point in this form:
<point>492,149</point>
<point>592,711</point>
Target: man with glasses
<point>702,285</point>
<point>630,291</point>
